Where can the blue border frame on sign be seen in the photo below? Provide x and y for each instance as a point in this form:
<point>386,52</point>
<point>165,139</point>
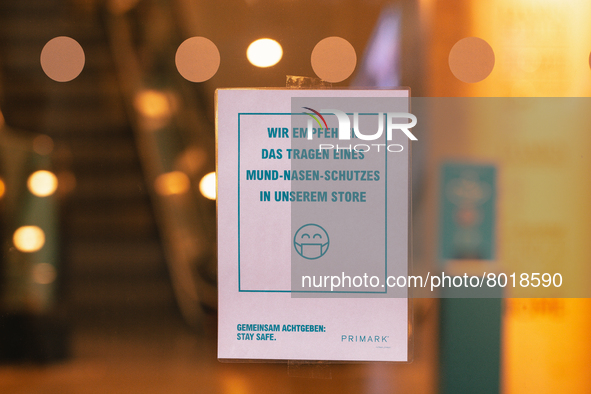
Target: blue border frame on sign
<point>312,291</point>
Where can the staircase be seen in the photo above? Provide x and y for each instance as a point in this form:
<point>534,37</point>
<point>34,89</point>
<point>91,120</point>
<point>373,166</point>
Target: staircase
<point>113,260</point>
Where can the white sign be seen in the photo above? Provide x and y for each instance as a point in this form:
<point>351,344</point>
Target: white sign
<point>310,229</point>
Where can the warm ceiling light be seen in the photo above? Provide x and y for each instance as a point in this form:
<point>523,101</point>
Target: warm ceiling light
<point>44,273</point>
<point>264,52</point>
<point>29,238</point>
<point>153,104</point>
<point>175,182</point>
<point>2,188</point>
<point>42,183</point>
<point>207,186</point>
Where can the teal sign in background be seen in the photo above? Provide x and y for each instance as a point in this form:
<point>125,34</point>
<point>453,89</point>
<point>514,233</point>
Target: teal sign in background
<point>467,211</point>
<point>470,329</point>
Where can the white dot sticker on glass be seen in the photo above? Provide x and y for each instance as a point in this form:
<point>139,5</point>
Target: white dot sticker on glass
<point>334,59</point>
<point>471,59</point>
<point>62,59</point>
<point>197,59</point>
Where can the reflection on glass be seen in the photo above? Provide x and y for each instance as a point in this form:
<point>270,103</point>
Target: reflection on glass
<point>29,239</point>
<point>44,273</point>
<point>152,104</point>
<point>264,52</point>
<point>42,183</point>
<point>171,183</point>
<point>207,186</point>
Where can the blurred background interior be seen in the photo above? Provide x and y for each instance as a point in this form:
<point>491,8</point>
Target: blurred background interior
<point>107,188</point>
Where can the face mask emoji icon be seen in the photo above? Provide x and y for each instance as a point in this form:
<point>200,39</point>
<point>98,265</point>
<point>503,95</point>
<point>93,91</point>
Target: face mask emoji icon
<point>311,241</point>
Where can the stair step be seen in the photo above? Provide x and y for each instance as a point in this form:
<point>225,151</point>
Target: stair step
<point>111,295</point>
<point>84,121</point>
<point>116,257</point>
<point>30,7</point>
<point>109,187</point>
<point>114,223</point>
<point>37,25</point>
<point>62,129</point>
<point>77,203</point>
<point>22,87</point>
<point>107,153</point>
<point>33,29</point>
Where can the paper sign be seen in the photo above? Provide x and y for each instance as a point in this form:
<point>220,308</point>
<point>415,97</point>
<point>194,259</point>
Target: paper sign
<point>313,224</point>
